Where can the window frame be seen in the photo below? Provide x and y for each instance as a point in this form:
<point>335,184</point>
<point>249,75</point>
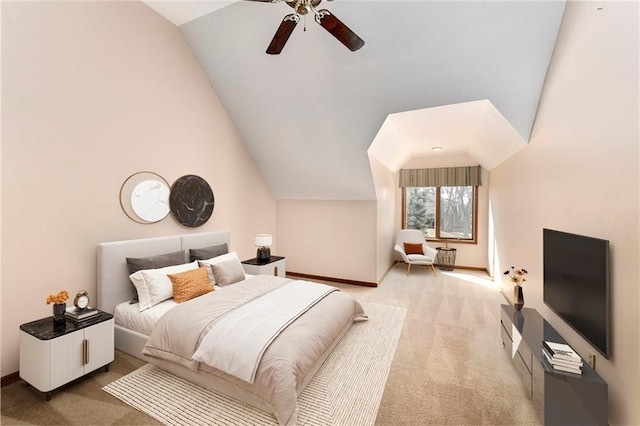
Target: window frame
<point>438,238</point>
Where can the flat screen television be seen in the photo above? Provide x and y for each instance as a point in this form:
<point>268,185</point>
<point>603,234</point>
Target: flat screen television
<point>576,284</point>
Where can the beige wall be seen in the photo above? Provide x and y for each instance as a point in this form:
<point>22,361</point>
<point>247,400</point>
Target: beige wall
<point>385,183</point>
<point>579,174</point>
<point>91,93</point>
<point>334,239</point>
<point>469,255</point>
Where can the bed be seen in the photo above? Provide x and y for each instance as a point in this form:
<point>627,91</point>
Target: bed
<point>287,363</point>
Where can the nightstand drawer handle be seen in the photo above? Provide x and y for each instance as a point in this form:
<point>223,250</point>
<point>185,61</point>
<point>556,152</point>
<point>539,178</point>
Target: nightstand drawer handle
<point>85,352</point>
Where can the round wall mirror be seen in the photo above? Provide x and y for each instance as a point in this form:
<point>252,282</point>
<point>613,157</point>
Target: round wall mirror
<point>191,200</point>
<point>144,197</point>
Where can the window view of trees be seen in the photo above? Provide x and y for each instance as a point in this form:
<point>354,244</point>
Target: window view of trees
<point>421,210</point>
<point>456,211</point>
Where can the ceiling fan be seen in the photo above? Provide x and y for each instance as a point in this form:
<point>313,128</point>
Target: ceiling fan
<point>326,19</point>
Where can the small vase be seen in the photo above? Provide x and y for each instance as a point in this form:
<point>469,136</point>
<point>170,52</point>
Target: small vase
<point>59,310</point>
<point>518,297</point>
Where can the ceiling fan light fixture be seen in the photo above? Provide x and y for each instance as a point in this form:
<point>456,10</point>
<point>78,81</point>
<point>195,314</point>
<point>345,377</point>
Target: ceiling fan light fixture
<point>303,9</point>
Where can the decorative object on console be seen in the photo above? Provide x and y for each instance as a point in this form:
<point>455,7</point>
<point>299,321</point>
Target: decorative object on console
<point>81,301</point>
<point>59,310</point>
<point>263,242</point>
<point>518,297</point>
<point>517,276</point>
<point>81,310</point>
<point>79,315</point>
<point>562,357</point>
<point>59,306</point>
<point>144,197</point>
<point>191,200</point>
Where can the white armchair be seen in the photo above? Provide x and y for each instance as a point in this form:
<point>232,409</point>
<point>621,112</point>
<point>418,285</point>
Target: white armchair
<point>415,236</point>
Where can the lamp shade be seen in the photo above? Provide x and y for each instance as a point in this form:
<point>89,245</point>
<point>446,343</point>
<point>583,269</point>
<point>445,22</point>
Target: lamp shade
<point>264,240</point>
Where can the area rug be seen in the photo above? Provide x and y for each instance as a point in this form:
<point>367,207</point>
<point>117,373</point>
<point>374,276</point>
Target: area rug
<point>347,389</point>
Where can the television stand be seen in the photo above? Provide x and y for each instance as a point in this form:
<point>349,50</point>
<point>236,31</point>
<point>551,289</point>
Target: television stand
<point>559,398</point>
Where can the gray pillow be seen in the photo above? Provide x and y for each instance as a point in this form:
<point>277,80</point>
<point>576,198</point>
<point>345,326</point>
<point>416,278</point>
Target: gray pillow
<point>136,264</point>
<point>208,252</point>
<point>229,272</point>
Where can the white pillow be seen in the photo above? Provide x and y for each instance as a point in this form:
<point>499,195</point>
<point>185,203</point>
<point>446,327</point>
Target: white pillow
<point>216,260</point>
<point>154,286</point>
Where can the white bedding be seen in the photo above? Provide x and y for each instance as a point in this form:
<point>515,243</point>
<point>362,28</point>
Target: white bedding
<point>128,315</point>
<point>286,363</point>
<point>236,342</point>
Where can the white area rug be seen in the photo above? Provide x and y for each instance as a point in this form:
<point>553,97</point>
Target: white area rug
<point>347,389</point>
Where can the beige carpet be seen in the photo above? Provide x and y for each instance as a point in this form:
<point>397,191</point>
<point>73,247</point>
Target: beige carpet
<point>346,390</point>
<point>449,367</point>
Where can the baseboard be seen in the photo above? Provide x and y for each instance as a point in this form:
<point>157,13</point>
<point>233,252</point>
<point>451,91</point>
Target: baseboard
<point>393,265</point>
<point>10,378</point>
<point>331,279</point>
<point>468,268</point>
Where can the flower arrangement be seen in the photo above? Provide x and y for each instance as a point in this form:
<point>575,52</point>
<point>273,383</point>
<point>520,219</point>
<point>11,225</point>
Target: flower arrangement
<point>516,275</point>
<point>58,299</point>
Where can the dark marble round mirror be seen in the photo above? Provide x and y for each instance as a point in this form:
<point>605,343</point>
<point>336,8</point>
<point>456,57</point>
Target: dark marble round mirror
<point>191,200</point>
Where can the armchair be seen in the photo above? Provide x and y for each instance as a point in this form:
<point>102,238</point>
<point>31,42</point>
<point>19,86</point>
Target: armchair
<point>425,257</point>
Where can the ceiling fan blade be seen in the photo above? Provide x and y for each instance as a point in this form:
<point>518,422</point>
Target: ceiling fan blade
<point>282,34</point>
<point>329,22</point>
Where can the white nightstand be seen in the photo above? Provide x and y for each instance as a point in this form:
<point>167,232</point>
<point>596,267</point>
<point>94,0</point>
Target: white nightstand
<point>275,265</point>
<point>52,355</point>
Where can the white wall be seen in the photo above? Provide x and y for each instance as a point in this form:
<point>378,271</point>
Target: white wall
<point>386,183</point>
<point>469,255</point>
<point>579,174</point>
<point>91,93</point>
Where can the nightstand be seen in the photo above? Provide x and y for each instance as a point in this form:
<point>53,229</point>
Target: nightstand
<point>51,356</point>
<point>275,265</point>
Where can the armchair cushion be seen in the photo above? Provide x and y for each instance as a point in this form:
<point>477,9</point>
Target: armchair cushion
<point>413,248</point>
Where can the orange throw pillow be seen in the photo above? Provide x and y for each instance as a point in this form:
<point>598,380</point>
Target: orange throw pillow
<point>413,248</point>
<point>190,284</point>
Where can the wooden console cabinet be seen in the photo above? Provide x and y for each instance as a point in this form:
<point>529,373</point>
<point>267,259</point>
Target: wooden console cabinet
<point>559,398</point>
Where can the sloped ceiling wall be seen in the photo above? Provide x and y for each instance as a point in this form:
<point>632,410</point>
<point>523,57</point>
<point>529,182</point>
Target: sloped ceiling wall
<point>309,115</point>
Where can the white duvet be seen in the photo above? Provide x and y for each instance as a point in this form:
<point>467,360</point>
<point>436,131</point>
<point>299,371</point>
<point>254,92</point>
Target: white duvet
<point>236,342</point>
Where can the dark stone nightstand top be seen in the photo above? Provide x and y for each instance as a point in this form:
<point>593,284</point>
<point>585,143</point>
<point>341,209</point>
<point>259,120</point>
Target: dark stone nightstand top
<point>44,329</point>
<point>256,261</point>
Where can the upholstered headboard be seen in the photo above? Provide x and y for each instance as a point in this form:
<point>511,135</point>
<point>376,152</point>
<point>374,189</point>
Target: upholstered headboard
<point>113,274</point>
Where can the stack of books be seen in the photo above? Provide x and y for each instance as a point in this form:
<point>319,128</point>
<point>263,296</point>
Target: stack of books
<point>562,357</point>
<point>79,315</point>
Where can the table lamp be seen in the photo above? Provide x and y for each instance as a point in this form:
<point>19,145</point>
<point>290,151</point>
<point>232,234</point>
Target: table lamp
<point>263,241</point>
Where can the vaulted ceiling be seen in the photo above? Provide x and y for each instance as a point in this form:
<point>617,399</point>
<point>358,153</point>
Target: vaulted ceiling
<point>463,75</point>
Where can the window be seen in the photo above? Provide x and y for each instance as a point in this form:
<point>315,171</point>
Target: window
<point>442,213</point>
